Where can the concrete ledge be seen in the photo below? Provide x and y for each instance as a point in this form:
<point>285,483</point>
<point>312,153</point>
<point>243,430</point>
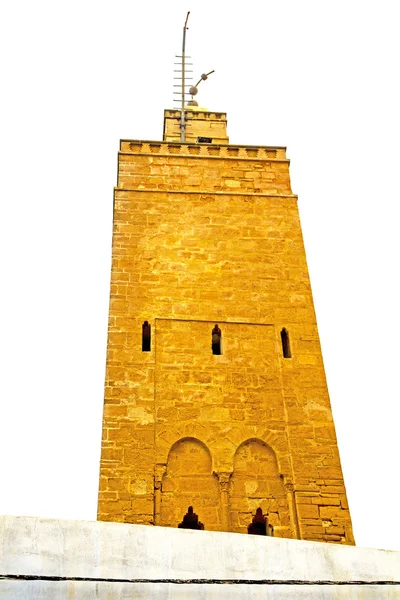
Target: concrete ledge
<point>47,558</point>
<point>113,591</point>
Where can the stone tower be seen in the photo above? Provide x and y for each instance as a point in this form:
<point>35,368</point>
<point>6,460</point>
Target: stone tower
<point>228,418</point>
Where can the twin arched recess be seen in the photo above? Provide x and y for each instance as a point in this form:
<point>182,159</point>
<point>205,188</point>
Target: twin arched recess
<point>255,481</point>
<point>189,481</point>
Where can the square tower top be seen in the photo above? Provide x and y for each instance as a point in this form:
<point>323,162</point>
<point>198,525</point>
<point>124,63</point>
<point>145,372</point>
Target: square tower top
<point>201,126</point>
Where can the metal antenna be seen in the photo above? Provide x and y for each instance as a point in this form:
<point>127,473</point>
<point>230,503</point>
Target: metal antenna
<point>183,124</point>
<point>192,91</point>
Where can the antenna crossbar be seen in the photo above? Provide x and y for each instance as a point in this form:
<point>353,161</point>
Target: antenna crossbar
<point>183,79</point>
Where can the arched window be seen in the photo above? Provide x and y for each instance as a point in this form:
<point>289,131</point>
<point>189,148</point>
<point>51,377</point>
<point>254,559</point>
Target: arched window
<point>216,340</point>
<point>146,337</point>
<point>285,344</point>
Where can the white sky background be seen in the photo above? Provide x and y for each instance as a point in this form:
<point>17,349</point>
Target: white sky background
<point>319,77</point>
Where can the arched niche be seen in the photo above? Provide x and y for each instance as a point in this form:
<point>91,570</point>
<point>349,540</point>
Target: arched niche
<point>256,483</point>
<point>189,481</point>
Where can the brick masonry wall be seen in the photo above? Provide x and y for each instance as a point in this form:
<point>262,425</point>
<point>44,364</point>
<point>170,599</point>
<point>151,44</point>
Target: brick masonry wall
<point>199,239</point>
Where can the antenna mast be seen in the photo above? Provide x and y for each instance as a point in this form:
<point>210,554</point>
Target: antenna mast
<point>183,124</point>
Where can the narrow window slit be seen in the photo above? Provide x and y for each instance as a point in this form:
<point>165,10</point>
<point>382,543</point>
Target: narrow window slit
<point>216,340</point>
<point>146,337</point>
<point>285,344</point>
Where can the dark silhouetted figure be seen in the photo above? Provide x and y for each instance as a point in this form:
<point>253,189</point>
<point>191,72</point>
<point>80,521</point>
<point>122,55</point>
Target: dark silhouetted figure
<point>191,520</point>
<point>146,337</point>
<point>216,340</point>
<point>259,525</point>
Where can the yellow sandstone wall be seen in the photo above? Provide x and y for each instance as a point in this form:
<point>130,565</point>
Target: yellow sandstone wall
<point>206,234</point>
<point>198,123</point>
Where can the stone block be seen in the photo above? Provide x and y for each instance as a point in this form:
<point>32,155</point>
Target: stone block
<point>141,505</point>
<point>331,512</point>
<point>308,511</point>
<point>326,501</point>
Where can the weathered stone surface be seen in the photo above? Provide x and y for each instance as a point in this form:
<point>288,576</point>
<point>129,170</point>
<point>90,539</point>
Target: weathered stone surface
<point>308,511</point>
<point>204,234</point>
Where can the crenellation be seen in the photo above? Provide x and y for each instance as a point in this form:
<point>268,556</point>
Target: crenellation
<point>200,150</point>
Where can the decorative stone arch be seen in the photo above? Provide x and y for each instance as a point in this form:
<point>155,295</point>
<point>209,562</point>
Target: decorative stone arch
<point>168,438</point>
<point>221,447</point>
<point>261,455</point>
<point>189,481</point>
<point>237,436</point>
<point>257,482</point>
<point>198,456</point>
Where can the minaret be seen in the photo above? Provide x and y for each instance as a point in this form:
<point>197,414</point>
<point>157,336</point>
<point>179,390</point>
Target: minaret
<point>207,234</point>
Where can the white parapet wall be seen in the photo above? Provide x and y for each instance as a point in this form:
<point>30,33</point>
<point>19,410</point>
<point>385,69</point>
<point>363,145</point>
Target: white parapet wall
<point>49,559</point>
